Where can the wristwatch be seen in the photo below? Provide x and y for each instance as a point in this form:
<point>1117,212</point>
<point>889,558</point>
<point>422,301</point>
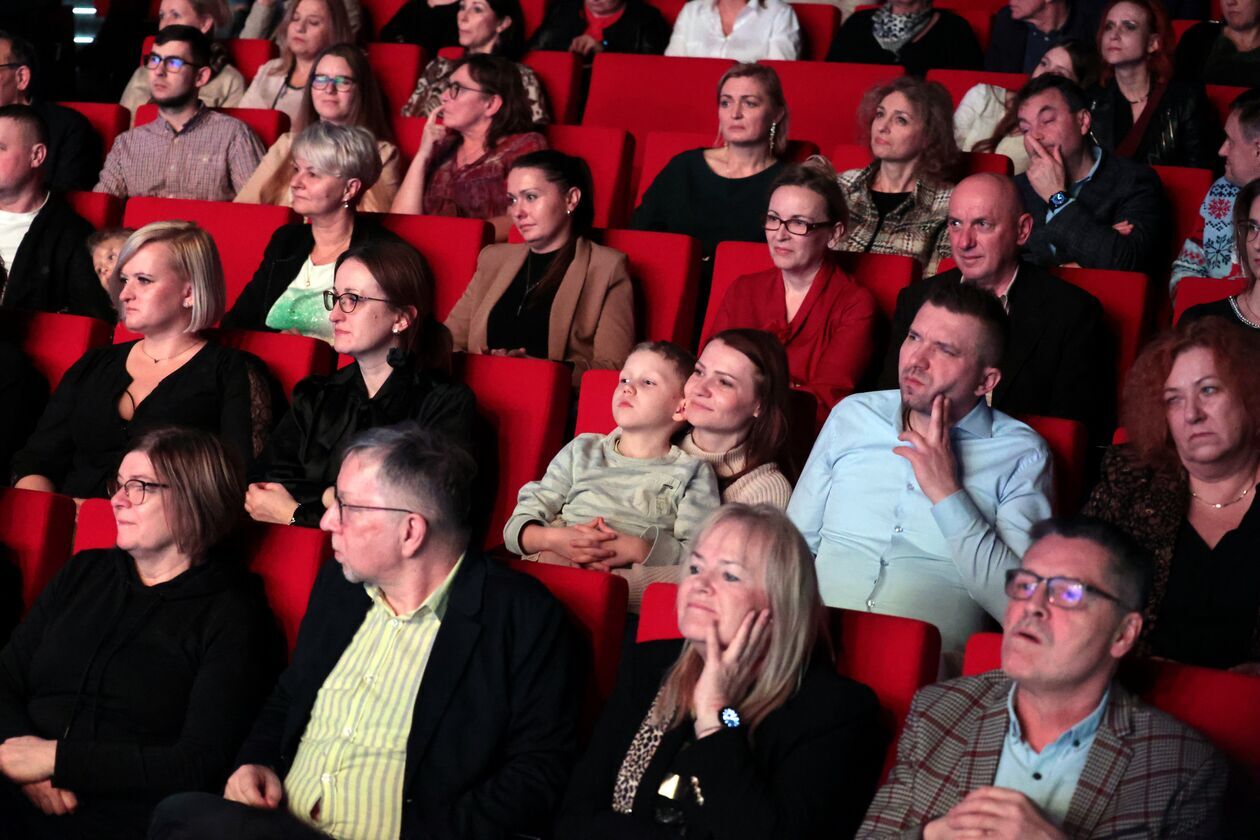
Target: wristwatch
<point>1059,199</point>
<point>729,717</point>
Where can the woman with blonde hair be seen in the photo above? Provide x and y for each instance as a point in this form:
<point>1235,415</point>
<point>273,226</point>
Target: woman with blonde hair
<point>226,86</point>
<point>168,284</point>
<point>309,27</point>
<point>742,729</point>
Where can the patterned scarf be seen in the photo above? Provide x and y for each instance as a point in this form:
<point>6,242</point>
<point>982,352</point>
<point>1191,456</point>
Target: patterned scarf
<point>893,32</point>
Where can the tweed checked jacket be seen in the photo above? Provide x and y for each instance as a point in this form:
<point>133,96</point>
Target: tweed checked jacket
<point>915,229</point>
<point>1147,775</point>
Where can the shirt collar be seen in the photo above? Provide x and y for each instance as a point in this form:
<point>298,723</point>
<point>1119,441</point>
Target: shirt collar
<point>436,603</point>
<point>1074,735</point>
<point>977,423</point>
<point>1097,152</point>
<point>197,117</point>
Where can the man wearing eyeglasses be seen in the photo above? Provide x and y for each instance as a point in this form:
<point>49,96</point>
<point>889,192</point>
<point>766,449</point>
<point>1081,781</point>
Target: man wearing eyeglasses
<point>189,151</point>
<point>1051,747</point>
<point>433,692</point>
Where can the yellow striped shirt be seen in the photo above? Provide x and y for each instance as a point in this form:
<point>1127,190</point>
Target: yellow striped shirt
<point>353,754</point>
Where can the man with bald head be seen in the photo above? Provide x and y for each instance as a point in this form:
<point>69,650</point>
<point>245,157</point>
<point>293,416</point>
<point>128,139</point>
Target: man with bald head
<point>44,260</point>
<point>1060,358</point>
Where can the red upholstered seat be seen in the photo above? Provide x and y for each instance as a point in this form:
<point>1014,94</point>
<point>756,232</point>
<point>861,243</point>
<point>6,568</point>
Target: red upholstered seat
<point>958,82</point>
<point>1192,291</point>
<point>108,120</point>
<point>664,267</point>
<point>290,358</point>
<point>1185,188</point>
<point>101,210</point>
<point>52,341</point>
<point>1222,96</point>
<point>396,68</point>
<point>979,16</point>
<point>250,54</point>
<point>380,12</point>
<point>1068,442</point>
<point>94,526</point>
<point>819,22</point>
<point>607,151</point>
<point>858,155</point>
<point>1125,299</point>
<point>449,245</point>
<point>560,74</point>
<point>35,537</point>
<point>824,96</point>
<point>267,123</point>
<point>594,408</point>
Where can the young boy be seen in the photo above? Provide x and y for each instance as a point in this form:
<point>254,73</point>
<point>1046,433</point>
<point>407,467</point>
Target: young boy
<point>628,501</point>
<point>104,246</point>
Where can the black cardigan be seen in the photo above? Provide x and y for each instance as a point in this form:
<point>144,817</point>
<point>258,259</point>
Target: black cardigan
<point>303,453</point>
<point>148,690</point>
<point>807,772</point>
<point>640,29</point>
<point>950,43</point>
<point>52,270</point>
<point>1183,132</point>
<point>288,249</point>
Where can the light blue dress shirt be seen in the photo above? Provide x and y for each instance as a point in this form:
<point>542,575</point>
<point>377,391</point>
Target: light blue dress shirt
<point>882,546</point>
<point>1048,777</point>
<point>1075,190</point>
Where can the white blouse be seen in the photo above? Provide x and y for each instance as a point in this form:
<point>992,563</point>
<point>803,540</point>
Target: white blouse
<point>769,31</point>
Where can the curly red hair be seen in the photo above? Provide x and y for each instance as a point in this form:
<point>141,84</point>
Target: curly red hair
<point>1144,416</point>
<point>941,160</point>
<point>1160,62</point>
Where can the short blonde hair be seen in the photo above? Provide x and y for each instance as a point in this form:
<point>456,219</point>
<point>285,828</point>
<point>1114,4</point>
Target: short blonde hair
<point>341,151</point>
<point>194,257</point>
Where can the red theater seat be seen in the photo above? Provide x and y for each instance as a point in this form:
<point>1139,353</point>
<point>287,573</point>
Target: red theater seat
<point>607,151</point>
<point>94,526</point>
<point>819,22</point>
<point>449,245</point>
<point>396,68</point>
<point>267,123</point>
<point>1192,291</point>
<point>858,155</point>
<point>35,538</point>
<point>1068,442</point>
<point>1125,299</point>
<point>824,96</point>
<point>958,82</point>
<point>380,12</point>
<point>101,210</point>
<point>290,358</point>
<point>594,408</point>
<point>250,54</point>
<point>1222,96</point>
<point>1185,187</point>
<point>560,74</point>
<point>664,267</point>
<point>53,341</point>
<point>108,120</point>
<point>979,17</point>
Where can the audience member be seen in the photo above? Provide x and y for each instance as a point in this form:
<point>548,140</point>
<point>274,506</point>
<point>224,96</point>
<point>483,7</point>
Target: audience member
<point>629,501</point>
<point>1060,358</point>
<point>1139,111</point>
<point>74,149</point>
<point>1025,30</point>
<point>493,27</point>
<point>743,30</point>
<point>825,320</point>
<point>1242,309</point>
<point>986,119</point>
<point>558,295</point>
<point>719,194</point>
<point>590,27</point>
<point>332,168</point>
<point>169,287</point>
<point>926,528</point>
<point>736,405</point>
<point>23,393</point>
<point>897,203</point>
<point>311,26</point>
<point>343,92</point>
<point>1210,251</point>
<point>431,24</point>
<point>484,124</point>
<point>742,728</point>
<point>266,19</point>
<point>189,151</point>
<point>382,314</point>
<point>103,247</point>
<point>1183,486</point>
<point>1224,52</point>
<point>138,670</point>
<point>910,33</point>
<point>1051,746</point>
<point>226,85</point>
<point>1089,207</point>
<point>43,264</point>
<point>463,675</point>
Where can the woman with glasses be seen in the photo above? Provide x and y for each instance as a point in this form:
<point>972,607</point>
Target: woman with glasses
<point>226,85</point>
<point>139,669</point>
<point>342,91</point>
<point>484,124</point>
<point>168,286</point>
<point>381,313</point>
<point>824,320</point>
<point>1243,308</point>
<point>309,27</point>
<point>332,168</point>
<point>490,27</point>
<point>1185,487</point>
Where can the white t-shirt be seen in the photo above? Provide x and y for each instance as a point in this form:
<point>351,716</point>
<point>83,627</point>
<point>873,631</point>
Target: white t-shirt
<point>13,228</point>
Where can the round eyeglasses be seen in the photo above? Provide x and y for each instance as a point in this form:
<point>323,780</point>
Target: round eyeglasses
<point>1248,230</point>
<point>172,63</point>
<point>796,227</point>
<point>347,301</point>
<point>1064,592</point>
<point>455,89</point>
<point>134,489</point>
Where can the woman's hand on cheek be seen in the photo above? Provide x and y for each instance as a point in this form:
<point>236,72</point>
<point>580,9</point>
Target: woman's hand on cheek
<point>729,672</point>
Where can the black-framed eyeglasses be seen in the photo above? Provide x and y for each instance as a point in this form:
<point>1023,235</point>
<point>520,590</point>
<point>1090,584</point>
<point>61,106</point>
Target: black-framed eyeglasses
<point>1064,592</point>
<point>347,300</point>
<point>455,89</point>
<point>342,507</point>
<point>1247,230</point>
<point>134,489</point>
<point>796,227</point>
<point>173,63</point>
<point>322,81</point>
<point>10,65</point>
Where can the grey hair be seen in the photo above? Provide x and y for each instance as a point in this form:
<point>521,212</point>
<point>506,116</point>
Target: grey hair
<point>342,151</point>
<point>193,255</point>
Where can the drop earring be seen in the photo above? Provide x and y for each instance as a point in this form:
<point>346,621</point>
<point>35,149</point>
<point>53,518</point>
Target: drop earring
<point>774,128</point>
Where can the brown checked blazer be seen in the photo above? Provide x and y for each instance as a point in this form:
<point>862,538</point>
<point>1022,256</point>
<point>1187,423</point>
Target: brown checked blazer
<point>592,315</point>
<point>1146,776</point>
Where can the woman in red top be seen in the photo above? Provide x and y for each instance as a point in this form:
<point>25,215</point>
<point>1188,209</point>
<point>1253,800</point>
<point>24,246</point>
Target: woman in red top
<point>823,318</point>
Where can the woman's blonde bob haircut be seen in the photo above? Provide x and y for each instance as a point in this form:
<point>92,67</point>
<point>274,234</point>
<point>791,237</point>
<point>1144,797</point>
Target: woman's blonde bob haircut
<point>341,151</point>
<point>796,611</point>
<point>193,256</point>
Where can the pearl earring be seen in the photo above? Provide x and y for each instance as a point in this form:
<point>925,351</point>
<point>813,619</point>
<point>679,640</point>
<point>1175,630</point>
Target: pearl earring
<point>396,331</point>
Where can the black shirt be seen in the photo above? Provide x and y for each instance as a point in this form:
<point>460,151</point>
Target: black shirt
<point>1208,615</point>
<point>431,27</point>
<point>949,42</point>
<point>522,316</point>
<point>1219,309</point>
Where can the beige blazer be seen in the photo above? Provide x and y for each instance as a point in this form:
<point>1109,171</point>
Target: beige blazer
<point>270,182</point>
<point>592,316</point>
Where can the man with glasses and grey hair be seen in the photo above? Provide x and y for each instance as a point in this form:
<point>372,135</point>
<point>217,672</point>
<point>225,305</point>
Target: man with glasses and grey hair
<point>1051,746</point>
<point>432,693</point>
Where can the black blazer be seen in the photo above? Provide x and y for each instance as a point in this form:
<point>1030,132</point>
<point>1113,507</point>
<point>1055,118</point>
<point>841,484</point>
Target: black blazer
<point>1060,361</point>
<point>1008,39</point>
<point>289,247</point>
<point>640,29</point>
<point>808,772</point>
<point>492,736</point>
<point>1183,131</point>
<point>1121,190</point>
<point>52,270</point>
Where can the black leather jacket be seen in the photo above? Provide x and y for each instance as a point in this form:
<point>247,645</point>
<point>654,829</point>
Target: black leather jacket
<point>1183,132</point>
<point>640,29</point>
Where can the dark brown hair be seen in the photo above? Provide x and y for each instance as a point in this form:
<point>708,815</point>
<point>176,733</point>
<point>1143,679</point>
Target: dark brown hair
<point>369,106</point>
<point>566,172</point>
<point>500,77</point>
<point>768,437</point>
<point>940,161</point>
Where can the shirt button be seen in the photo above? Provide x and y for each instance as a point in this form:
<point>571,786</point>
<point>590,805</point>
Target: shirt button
<point>898,529</point>
<point>870,603</point>
<point>326,778</point>
<point>347,732</point>
<point>394,623</point>
<point>910,487</point>
<point>369,678</point>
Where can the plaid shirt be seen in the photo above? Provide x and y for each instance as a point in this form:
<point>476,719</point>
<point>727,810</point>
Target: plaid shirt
<point>915,229</point>
<point>1147,774</point>
<point>210,159</point>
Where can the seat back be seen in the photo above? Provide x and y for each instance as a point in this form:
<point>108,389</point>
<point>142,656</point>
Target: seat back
<point>35,538</point>
<point>396,68</point>
<point>1185,187</point>
<point>857,155</point>
<point>288,559</point>
<point>525,402</point>
<point>380,12</point>
<point>560,74</point>
<point>660,147</point>
<point>241,231</point>
<point>1069,443</point>
<point>665,268</point>
<point>669,9</point>
<point>534,12</point>
<point>1222,96</point>
<point>249,54</point>
<point>594,408</point>
<point>101,210</point>
<point>607,151</point>
<point>94,525</point>
<point>108,120</point>
<point>267,123</point>
<point>643,93</point>
<point>1192,291</point>
<point>53,341</point>
<point>978,16</point>
<point>958,82</point>
<point>825,96</point>
<point>450,246</point>
<point>408,131</point>
<point>1125,299</point>
<point>289,358</point>
<point>818,22</point>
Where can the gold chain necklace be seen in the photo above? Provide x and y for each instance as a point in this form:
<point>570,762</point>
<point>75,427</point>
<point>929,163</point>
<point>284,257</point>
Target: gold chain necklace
<point>168,358</point>
<point>1219,505</point>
